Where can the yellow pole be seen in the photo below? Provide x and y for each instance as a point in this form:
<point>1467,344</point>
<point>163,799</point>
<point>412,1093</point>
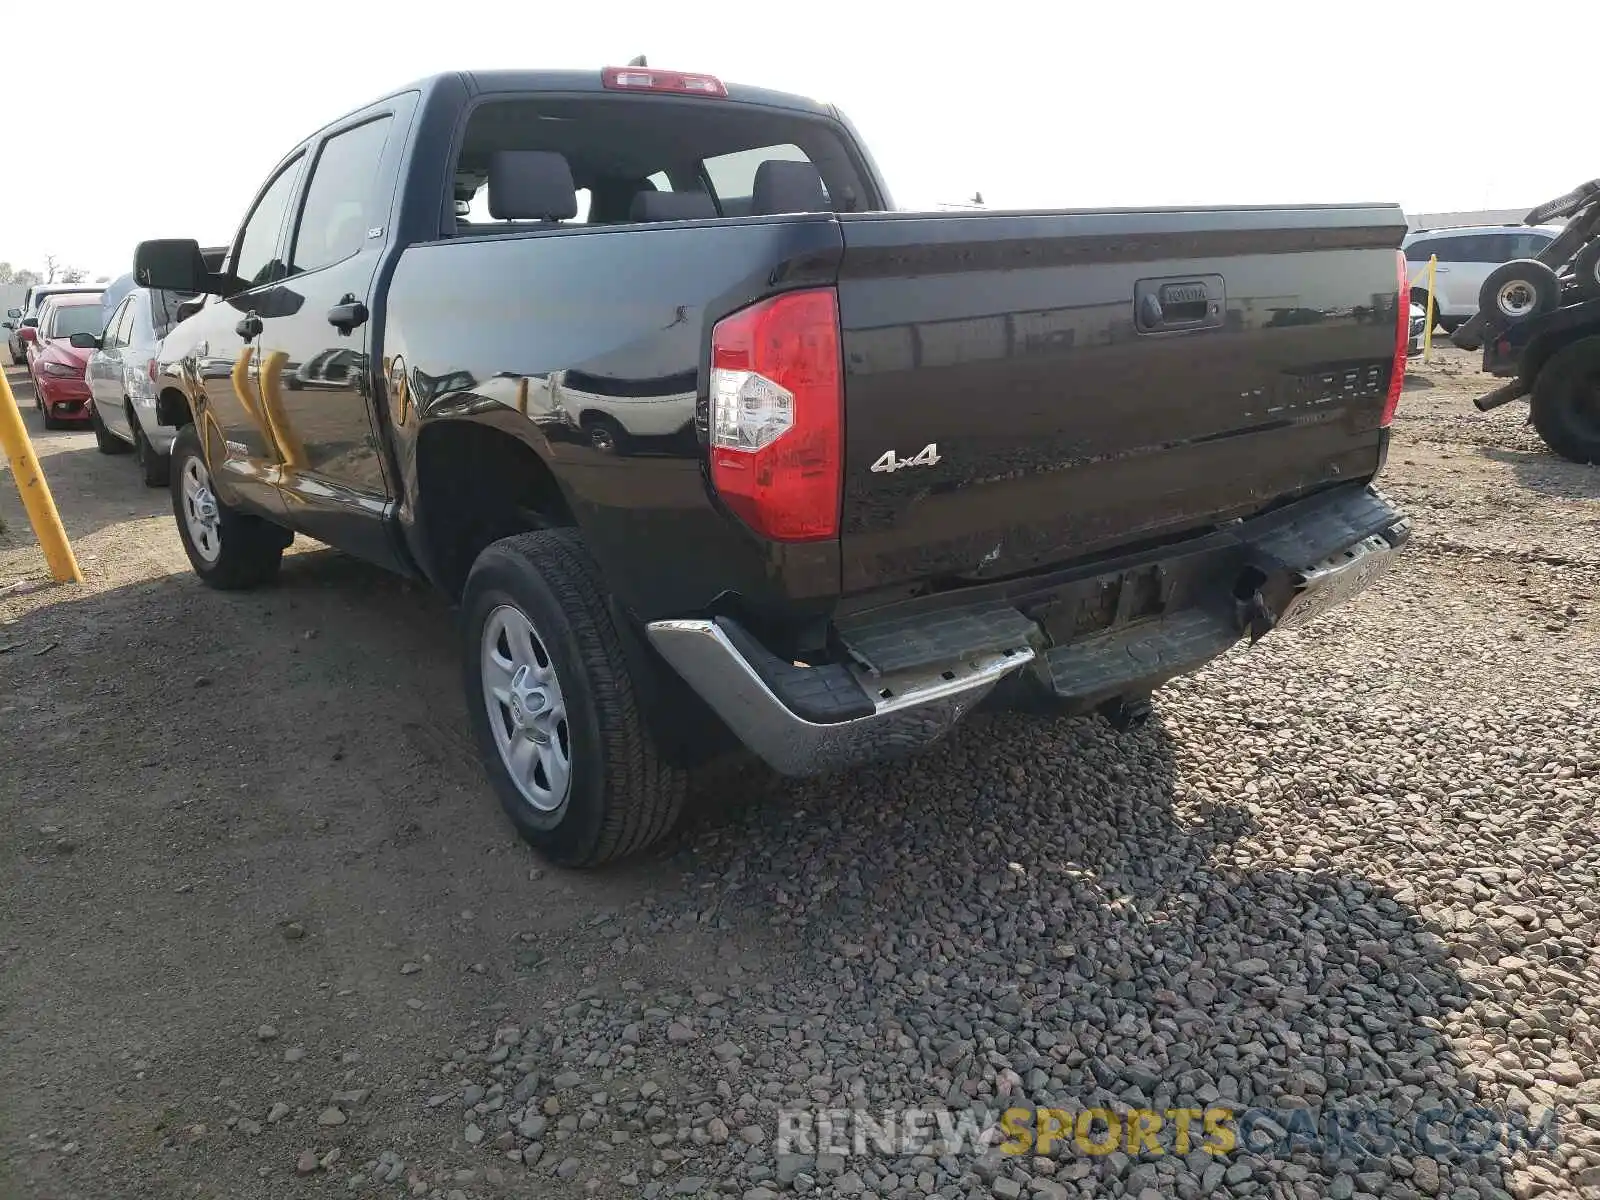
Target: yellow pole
<point>1427,330</point>
<point>35,491</point>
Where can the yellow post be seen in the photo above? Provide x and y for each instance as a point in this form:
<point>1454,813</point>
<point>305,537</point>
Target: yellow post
<point>35,492</point>
<point>1427,330</point>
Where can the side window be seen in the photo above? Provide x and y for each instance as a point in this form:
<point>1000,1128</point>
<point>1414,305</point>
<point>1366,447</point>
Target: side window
<point>340,205</point>
<point>1419,251</point>
<point>256,261</point>
<point>118,329</point>
<point>1482,248</point>
<point>1528,245</point>
<point>733,176</point>
<point>1447,248</point>
<point>132,321</point>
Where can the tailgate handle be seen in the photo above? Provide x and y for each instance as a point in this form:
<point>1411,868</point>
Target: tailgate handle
<point>1173,305</point>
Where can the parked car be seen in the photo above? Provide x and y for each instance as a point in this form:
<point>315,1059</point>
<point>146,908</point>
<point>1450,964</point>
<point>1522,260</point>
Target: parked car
<point>17,319</point>
<point>1466,256</point>
<point>1029,459</point>
<point>1418,328</point>
<point>121,374</point>
<point>55,364</point>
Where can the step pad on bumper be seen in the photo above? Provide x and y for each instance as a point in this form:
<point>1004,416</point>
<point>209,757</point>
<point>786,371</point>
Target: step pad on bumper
<point>886,646</point>
<point>1151,652</point>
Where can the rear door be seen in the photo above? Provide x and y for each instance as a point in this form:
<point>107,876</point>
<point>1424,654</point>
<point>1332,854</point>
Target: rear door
<point>104,373</point>
<point>315,371</point>
<point>1471,256</point>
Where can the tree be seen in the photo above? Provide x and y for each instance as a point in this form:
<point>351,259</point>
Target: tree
<point>27,279</point>
<point>52,268</point>
<point>72,274</point>
<point>6,273</point>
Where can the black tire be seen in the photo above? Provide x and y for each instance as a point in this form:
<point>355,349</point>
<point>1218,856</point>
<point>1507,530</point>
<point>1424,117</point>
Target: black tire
<point>1566,402</point>
<point>105,441</point>
<point>155,469</point>
<point>620,796</point>
<point>1518,290</point>
<point>249,549</point>
<point>1586,271</point>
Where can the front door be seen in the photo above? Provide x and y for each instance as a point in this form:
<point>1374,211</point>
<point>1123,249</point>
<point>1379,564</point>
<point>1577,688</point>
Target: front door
<point>315,376</point>
<point>104,373</point>
<point>241,445</point>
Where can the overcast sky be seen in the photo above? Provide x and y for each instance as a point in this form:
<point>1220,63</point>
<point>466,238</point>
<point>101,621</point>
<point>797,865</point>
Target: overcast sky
<point>169,115</point>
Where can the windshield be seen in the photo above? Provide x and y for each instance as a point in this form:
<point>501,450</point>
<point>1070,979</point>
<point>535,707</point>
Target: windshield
<point>76,318</point>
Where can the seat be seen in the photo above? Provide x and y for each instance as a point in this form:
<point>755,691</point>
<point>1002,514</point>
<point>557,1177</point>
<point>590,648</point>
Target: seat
<point>528,189</point>
<point>786,186</point>
<point>673,206</point>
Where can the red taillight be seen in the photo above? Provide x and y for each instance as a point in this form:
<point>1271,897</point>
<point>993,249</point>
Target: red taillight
<point>777,415</point>
<point>1402,337</point>
<point>150,370</point>
<point>648,79</point>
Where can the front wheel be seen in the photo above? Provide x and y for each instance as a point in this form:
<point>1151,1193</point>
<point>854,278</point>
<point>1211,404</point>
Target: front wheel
<point>228,549</point>
<point>1566,402</point>
<point>554,701</point>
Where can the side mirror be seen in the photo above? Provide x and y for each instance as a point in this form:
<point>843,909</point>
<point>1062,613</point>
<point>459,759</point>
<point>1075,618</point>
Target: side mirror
<point>84,341</point>
<point>13,313</point>
<point>8,325</point>
<point>189,307</point>
<point>172,264</point>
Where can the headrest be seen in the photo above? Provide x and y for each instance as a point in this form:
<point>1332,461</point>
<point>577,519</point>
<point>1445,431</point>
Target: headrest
<point>531,185</point>
<point>672,206</point>
<point>784,186</point>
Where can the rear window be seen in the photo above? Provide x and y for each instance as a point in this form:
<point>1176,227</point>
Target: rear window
<point>618,147</point>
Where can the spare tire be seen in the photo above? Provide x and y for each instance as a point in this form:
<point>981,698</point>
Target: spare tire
<point>1564,205</point>
<point>1517,290</point>
<point>1586,271</point>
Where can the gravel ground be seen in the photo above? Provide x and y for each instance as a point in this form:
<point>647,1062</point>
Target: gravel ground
<point>264,934</point>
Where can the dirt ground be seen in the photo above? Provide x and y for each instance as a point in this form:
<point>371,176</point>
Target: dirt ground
<point>248,861</point>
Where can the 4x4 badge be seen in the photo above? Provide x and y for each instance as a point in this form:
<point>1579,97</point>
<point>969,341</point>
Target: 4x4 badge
<point>926,457</point>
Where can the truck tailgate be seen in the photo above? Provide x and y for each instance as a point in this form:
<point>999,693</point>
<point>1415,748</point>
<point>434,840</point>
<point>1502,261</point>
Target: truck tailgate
<point>1094,380</point>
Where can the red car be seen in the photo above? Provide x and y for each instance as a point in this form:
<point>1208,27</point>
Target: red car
<point>57,367</point>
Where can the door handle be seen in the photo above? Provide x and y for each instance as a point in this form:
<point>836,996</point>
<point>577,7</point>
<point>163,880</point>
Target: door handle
<point>249,327</point>
<point>348,315</point>
<point>1439,270</point>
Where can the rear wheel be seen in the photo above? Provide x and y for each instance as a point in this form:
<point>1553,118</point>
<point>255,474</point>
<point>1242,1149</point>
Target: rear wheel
<point>1566,402</point>
<point>551,687</point>
<point>228,549</point>
<point>1518,290</point>
<point>155,469</point>
<point>105,441</point>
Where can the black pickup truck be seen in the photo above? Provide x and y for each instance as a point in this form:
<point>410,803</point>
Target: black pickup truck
<point>713,447</point>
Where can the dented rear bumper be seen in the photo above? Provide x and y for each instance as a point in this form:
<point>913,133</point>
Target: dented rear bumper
<point>1090,636</point>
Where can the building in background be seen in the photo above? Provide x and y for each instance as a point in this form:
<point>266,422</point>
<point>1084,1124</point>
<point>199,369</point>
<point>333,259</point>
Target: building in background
<point>1483,216</point>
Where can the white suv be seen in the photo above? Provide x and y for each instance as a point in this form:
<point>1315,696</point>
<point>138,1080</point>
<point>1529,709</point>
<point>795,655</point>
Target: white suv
<point>1467,254</point>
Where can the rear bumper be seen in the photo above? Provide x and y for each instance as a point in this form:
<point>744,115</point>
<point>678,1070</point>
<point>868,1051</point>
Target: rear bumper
<point>1075,640</point>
